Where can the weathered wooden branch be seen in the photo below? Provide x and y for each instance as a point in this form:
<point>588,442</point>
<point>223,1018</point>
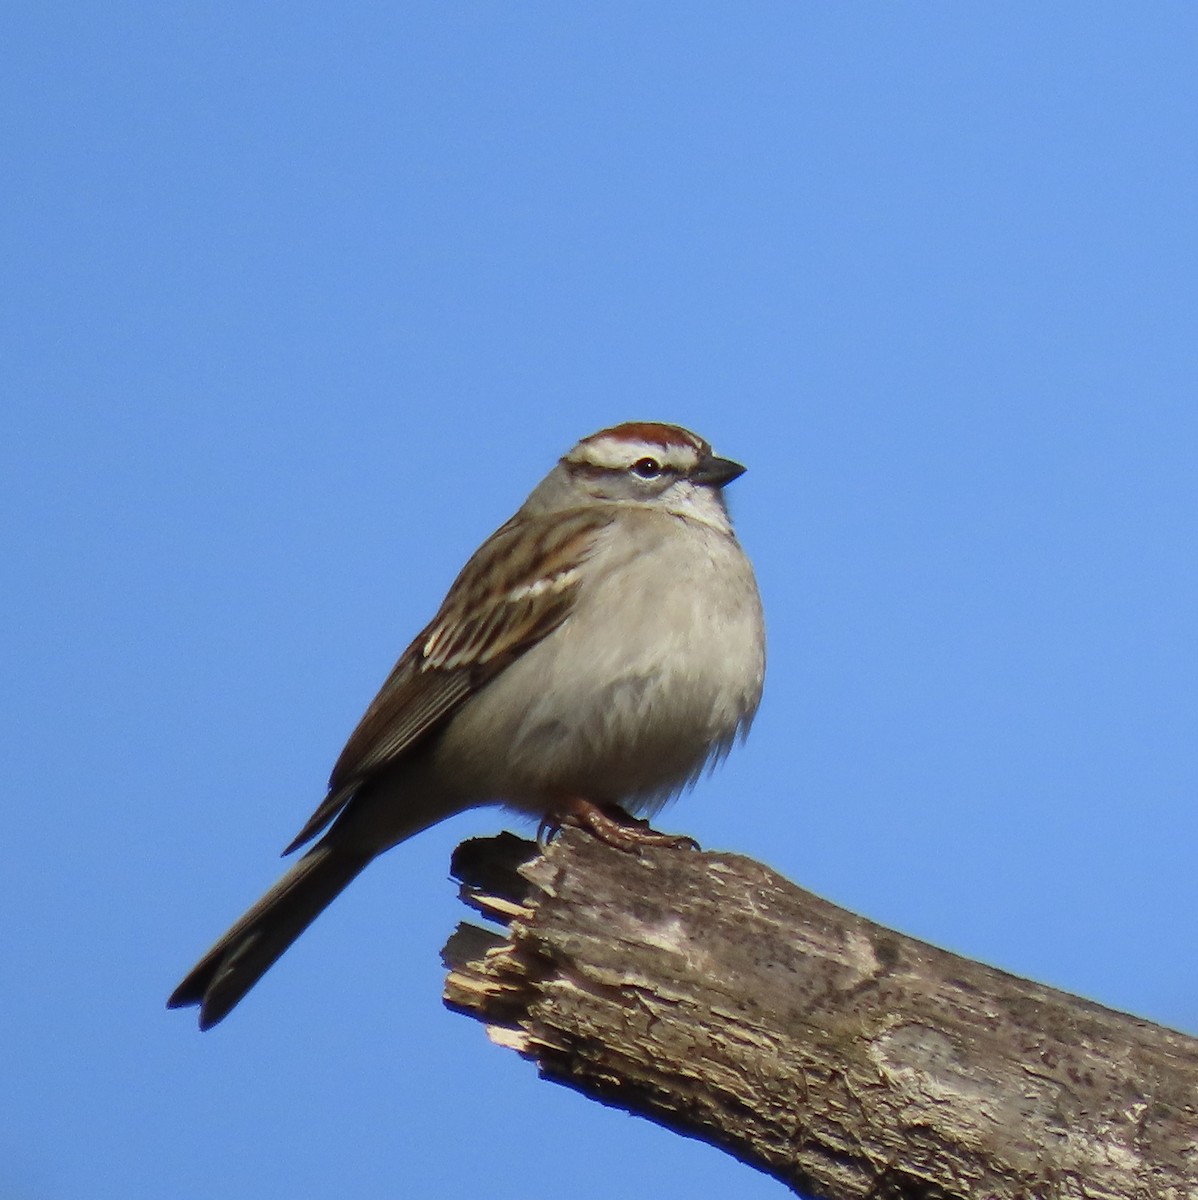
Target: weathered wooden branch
<point>707,993</point>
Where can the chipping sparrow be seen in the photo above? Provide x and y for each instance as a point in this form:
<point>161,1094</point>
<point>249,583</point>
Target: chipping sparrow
<point>597,650</point>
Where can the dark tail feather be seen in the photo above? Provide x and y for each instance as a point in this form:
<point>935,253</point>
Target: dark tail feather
<point>223,976</point>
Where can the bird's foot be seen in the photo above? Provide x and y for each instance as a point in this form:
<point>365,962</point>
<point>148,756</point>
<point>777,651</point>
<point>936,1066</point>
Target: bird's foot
<point>610,824</point>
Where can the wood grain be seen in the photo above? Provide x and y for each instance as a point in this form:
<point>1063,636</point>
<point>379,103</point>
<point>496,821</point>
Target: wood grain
<point>709,994</point>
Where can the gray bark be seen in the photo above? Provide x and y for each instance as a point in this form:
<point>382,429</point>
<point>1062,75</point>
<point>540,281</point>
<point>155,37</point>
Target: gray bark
<point>707,993</point>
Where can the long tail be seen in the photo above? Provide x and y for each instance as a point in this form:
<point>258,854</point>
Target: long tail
<point>252,946</point>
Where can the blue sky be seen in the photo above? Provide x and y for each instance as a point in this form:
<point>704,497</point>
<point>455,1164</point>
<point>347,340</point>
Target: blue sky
<point>301,300</point>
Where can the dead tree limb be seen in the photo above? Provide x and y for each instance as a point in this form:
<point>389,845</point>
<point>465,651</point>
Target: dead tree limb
<point>707,993</point>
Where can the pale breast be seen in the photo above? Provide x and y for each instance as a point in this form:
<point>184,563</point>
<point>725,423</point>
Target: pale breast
<point>656,671</point>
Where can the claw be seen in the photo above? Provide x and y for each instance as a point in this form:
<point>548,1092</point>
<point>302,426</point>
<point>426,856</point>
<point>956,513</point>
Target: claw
<point>610,824</point>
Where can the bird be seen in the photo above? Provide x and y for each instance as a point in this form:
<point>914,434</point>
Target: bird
<point>596,653</point>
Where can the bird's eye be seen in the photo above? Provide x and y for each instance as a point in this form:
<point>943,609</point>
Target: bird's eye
<point>646,468</point>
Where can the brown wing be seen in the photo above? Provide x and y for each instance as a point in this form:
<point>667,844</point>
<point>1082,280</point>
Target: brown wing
<point>519,585</point>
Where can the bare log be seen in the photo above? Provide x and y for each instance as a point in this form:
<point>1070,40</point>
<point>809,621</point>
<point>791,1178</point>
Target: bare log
<point>709,994</point>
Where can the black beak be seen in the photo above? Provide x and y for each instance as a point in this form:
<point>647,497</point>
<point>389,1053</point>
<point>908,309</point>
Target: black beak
<point>716,472</point>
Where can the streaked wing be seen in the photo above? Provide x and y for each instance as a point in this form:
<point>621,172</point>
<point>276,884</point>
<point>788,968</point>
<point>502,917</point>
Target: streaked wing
<point>518,587</point>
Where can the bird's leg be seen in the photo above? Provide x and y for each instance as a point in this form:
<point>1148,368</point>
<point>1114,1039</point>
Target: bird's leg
<point>610,824</point>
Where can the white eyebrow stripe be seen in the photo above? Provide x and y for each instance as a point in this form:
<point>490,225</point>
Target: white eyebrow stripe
<point>616,454</point>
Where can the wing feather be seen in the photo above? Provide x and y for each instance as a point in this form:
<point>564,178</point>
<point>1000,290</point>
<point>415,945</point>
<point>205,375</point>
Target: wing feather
<point>518,587</point>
